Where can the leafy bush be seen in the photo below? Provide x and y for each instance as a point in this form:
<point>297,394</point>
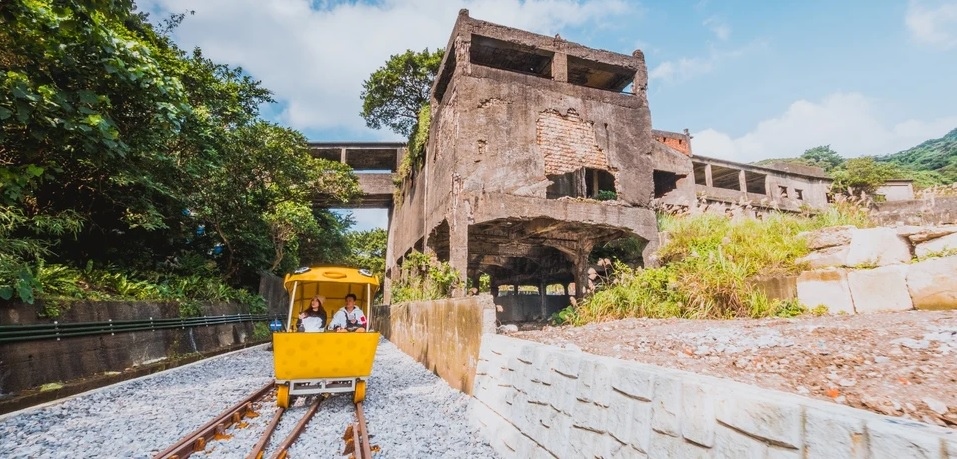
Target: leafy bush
<point>59,283</point>
<point>709,265</point>
<point>261,331</point>
<point>424,278</point>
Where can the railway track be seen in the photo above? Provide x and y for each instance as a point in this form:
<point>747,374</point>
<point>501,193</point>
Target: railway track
<point>355,437</point>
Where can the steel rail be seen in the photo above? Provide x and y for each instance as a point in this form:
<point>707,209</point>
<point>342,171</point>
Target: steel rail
<point>363,432</point>
<point>283,449</point>
<point>196,440</point>
<point>260,448</point>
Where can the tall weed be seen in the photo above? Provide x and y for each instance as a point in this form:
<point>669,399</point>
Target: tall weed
<point>710,263</point>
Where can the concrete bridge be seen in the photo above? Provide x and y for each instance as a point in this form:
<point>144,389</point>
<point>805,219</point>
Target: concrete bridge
<point>373,162</point>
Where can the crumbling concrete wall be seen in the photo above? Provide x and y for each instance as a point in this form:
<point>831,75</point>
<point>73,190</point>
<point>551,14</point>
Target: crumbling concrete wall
<point>443,335</point>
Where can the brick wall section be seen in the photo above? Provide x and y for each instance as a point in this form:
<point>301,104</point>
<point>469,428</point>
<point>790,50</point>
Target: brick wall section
<point>534,400</point>
<point>677,144</point>
<point>568,143</point>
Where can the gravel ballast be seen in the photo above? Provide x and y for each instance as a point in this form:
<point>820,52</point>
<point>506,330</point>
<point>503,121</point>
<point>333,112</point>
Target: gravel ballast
<point>409,411</point>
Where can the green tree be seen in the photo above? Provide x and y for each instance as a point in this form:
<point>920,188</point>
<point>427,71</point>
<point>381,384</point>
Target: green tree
<point>823,156</point>
<point>861,175</point>
<point>136,152</point>
<point>395,92</point>
<point>368,249</point>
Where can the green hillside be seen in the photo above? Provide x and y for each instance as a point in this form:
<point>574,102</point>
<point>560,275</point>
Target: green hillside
<point>936,159</point>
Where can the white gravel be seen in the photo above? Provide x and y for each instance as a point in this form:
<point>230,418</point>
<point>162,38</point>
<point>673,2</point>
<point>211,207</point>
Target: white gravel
<point>410,413</point>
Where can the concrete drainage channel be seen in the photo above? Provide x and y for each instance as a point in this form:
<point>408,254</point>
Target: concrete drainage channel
<point>535,400</point>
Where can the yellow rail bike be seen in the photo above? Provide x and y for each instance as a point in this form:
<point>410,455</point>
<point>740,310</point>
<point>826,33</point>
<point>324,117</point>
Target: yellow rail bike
<point>308,363</point>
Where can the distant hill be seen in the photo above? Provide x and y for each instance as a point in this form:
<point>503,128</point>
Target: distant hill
<point>936,158</point>
<point>933,162</point>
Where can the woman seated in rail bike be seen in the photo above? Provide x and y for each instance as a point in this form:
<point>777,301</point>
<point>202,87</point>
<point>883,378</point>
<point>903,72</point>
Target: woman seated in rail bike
<point>349,318</point>
<point>313,319</point>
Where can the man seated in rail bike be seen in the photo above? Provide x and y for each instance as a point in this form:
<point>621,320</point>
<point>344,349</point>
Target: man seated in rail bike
<point>313,319</point>
<point>349,318</point>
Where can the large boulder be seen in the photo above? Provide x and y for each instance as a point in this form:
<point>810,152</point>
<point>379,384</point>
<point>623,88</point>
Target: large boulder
<point>933,283</point>
<point>825,258</point>
<point>918,234</point>
<point>828,237</point>
<point>880,289</point>
<point>877,247</point>
<point>938,245</point>
<point>828,287</point>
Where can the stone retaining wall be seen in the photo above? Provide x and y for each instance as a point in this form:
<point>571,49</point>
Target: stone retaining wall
<point>28,364</point>
<point>880,269</point>
<point>443,335</point>
<point>541,401</point>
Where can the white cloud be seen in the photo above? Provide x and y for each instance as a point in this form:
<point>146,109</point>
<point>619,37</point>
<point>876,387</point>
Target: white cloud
<point>849,122</point>
<point>933,25</point>
<point>718,27</point>
<point>316,59</point>
<point>687,68</point>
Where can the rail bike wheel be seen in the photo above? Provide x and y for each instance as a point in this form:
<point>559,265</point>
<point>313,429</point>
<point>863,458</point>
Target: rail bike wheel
<point>360,393</point>
<point>282,395</point>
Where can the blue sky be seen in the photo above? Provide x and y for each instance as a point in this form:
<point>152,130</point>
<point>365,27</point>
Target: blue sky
<point>750,79</point>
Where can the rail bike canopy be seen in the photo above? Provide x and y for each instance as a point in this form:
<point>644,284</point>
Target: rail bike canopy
<point>333,283</point>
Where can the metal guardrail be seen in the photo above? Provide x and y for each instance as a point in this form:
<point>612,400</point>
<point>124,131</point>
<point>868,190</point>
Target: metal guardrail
<point>56,330</point>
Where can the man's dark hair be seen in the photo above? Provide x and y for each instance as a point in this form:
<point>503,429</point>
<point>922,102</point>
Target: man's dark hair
<point>353,295</point>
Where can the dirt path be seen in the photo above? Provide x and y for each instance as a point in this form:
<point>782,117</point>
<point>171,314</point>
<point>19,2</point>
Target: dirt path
<point>900,364</point>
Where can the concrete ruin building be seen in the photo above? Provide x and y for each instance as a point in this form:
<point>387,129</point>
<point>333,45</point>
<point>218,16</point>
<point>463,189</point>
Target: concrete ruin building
<point>539,150</point>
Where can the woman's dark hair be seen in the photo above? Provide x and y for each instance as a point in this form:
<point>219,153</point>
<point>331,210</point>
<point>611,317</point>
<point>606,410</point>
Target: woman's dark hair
<point>322,310</point>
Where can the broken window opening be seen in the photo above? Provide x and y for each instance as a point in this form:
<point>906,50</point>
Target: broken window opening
<point>583,183</point>
<point>783,192</point>
<point>665,182</point>
<point>725,177</point>
<point>555,289</point>
<point>599,75</point>
<point>756,182</point>
<point>700,174</point>
<point>514,57</point>
<point>600,185</point>
<point>798,194</point>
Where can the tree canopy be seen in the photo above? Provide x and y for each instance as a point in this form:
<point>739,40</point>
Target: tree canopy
<point>861,175</point>
<point>395,92</point>
<point>823,157</point>
<point>119,148</point>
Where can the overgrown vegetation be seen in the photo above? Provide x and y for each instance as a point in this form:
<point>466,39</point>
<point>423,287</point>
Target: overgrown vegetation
<point>933,162</point>
<point>423,277</point>
<point>415,155</point>
<point>61,285</point>
<point>708,268</point>
<point>121,149</point>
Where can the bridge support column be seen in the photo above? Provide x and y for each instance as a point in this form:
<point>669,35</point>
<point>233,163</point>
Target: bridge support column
<point>459,253</point>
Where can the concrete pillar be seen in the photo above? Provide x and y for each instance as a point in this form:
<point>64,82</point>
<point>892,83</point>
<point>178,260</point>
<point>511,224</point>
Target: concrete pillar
<point>560,67</point>
<point>389,262</point>
<point>582,250</point>
<point>399,154</point>
<point>342,155</point>
<point>541,292</point>
<point>648,257</point>
<point>458,253</point>
<point>707,176</point>
<point>742,181</point>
